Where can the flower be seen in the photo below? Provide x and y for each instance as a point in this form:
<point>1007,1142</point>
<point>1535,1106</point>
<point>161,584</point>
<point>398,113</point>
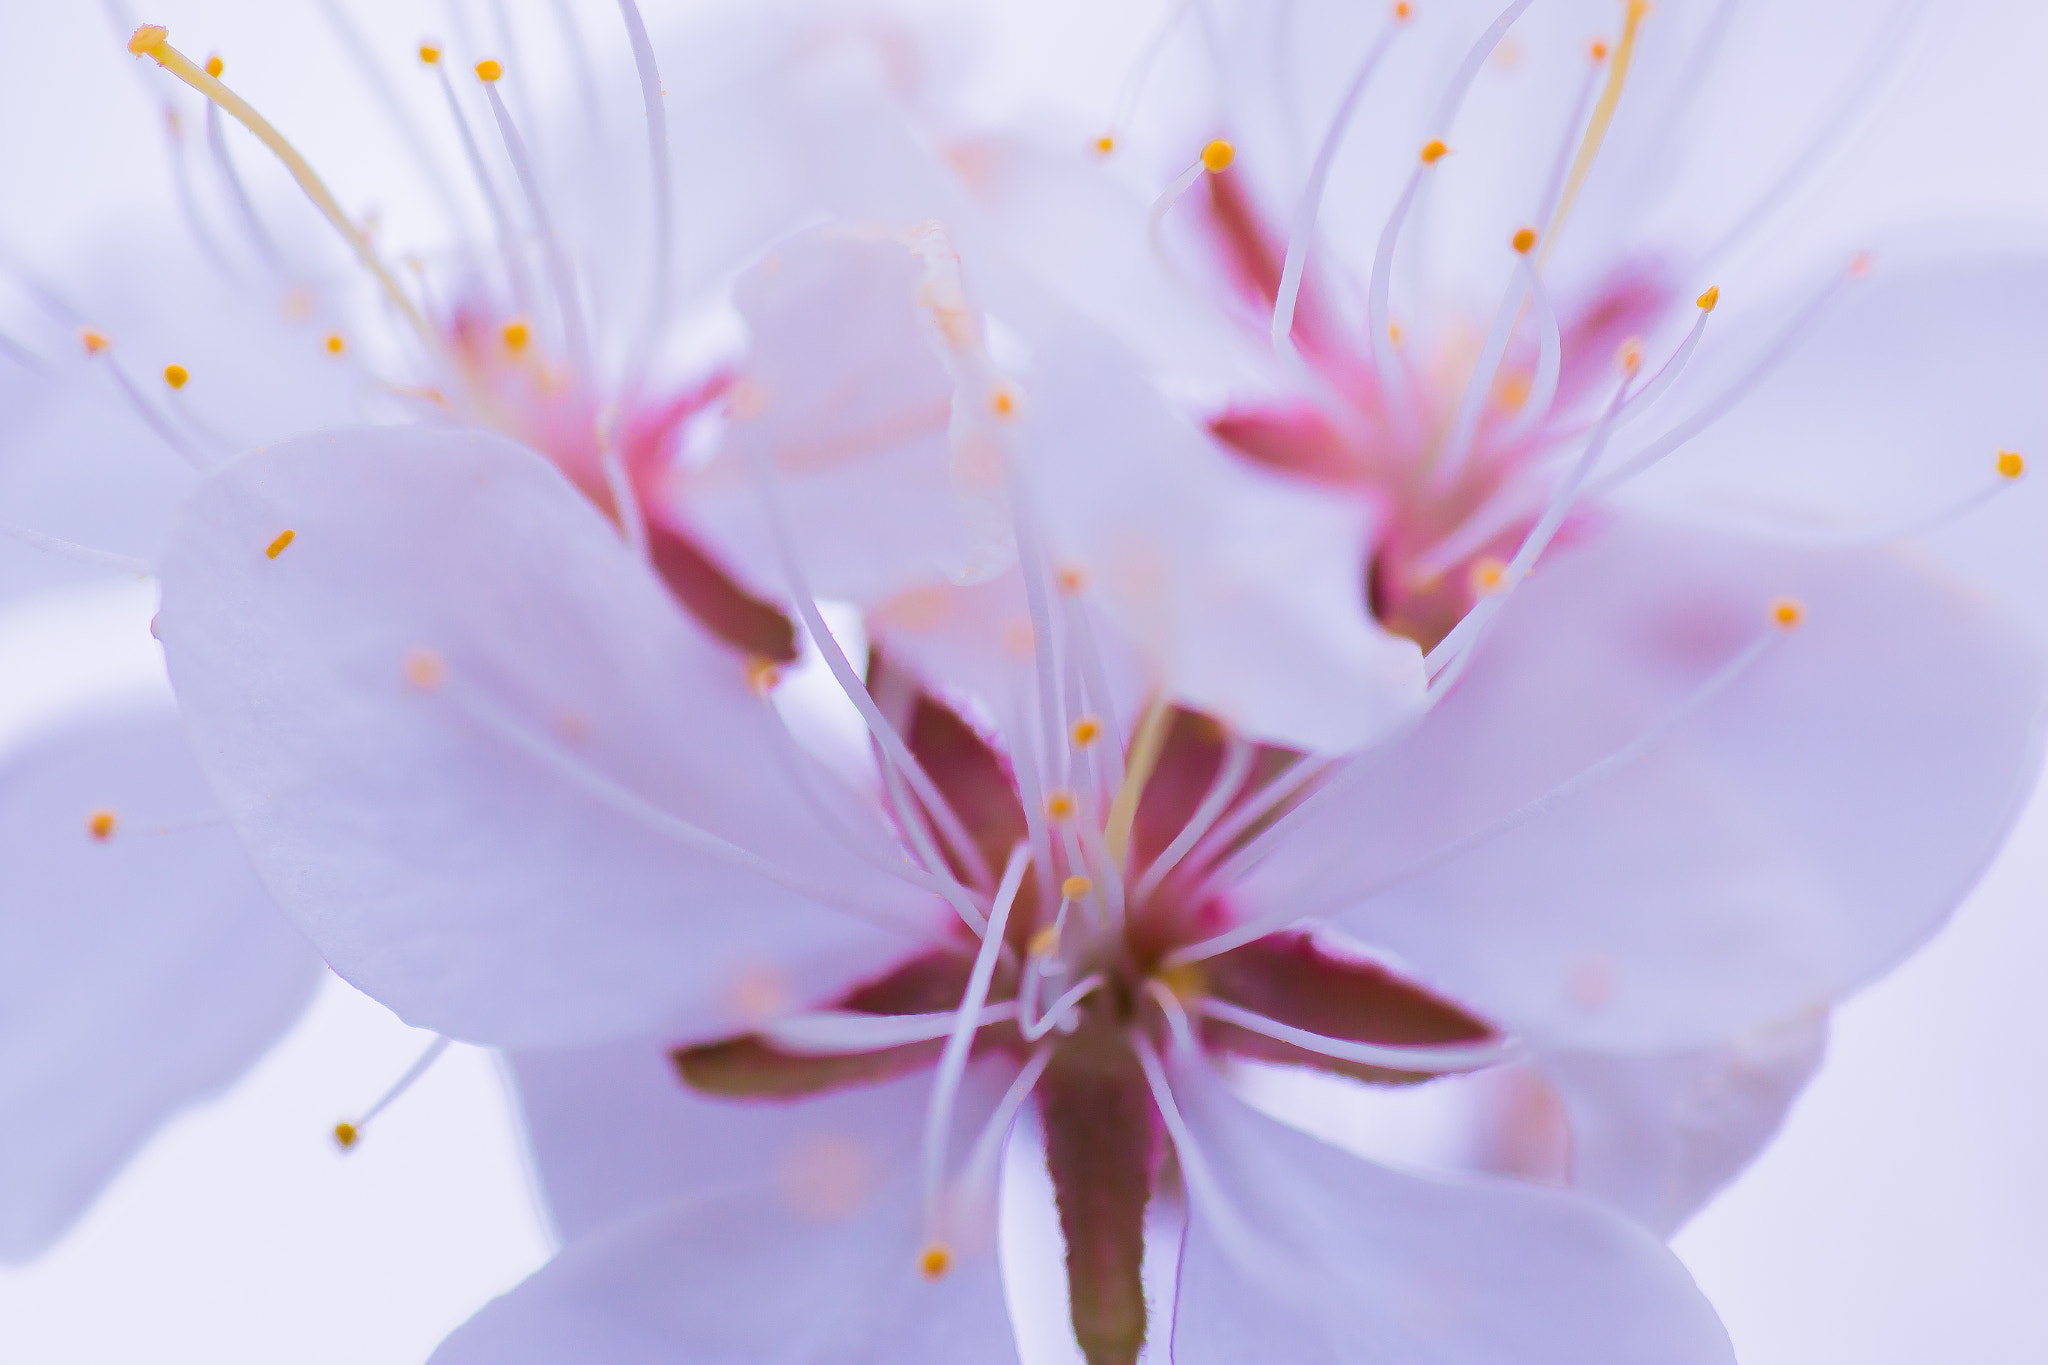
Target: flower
<point>513,792</point>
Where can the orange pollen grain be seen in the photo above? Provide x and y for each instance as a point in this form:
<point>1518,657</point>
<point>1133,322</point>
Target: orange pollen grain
<point>2011,464</point>
<point>1073,888</point>
<point>516,334</point>
<point>1217,156</point>
<point>94,342</point>
<point>488,70</point>
<point>1787,612</point>
<point>1524,240</point>
<point>1433,151</point>
<point>100,825</point>
<point>1060,805</point>
<point>1598,51</point>
<point>1088,728</point>
<point>214,66</point>
<point>1104,145</point>
<point>176,375</point>
<point>1487,574</point>
<point>1707,300</point>
<point>429,53</point>
<point>1071,579</point>
<point>345,1135</point>
<point>1630,355</point>
<point>335,345</point>
<point>277,547</point>
<point>1404,11</point>
<point>934,1261</point>
<point>1003,402</point>
<point>425,669</point>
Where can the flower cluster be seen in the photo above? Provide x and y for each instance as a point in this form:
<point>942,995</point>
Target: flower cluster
<point>938,650</point>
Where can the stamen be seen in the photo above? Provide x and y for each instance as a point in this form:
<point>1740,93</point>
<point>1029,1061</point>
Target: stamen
<point>1230,774</point>
<point>1134,81</point>
<point>1081,639</point>
<point>188,202</point>
<point>1214,160</point>
<point>1311,202</point>
<point>100,348</point>
<point>981,1162</point>
<point>840,1033</point>
<point>953,1061</point>
<point>347,1135</point>
<point>1057,1013</point>
<point>2006,471</point>
<point>1603,118</point>
<point>657,151</point>
<point>101,824</point>
<point>1553,185</point>
<point>238,194</point>
<point>508,236</point>
<point>1786,614</point>
<point>1145,749</point>
<point>416,145</point>
<point>1281,789</point>
<point>1379,324</point>
<point>76,553</point>
<point>560,277</point>
<point>1465,428</point>
<point>1443,1059</point>
<point>152,40</point>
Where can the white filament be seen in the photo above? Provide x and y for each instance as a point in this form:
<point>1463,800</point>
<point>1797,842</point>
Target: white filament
<point>1230,773</point>
<point>560,277</point>
<point>838,1033</point>
<point>76,553</point>
<point>508,235</point>
<point>404,1083</point>
<point>662,189</point>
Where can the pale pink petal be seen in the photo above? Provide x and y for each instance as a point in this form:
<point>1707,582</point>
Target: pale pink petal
<point>1791,838</point>
<point>807,1250</point>
<point>485,762</point>
<point>1301,1253</point>
<point>139,973</point>
<point>1656,1137</point>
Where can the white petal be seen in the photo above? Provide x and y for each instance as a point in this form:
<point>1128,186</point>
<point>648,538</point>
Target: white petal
<point>1789,841</point>
<point>813,1258</point>
<point>137,974</point>
<point>1410,1269</point>
<point>506,852</point>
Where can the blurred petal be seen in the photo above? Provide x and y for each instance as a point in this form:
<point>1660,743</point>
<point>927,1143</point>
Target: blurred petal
<point>460,725</point>
<point>138,973</point>
<point>1792,839</point>
<point>1466,1273</point>
<point>805,1248</point>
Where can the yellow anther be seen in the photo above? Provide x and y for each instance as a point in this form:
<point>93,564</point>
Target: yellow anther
<point>345,1135</point>
<point>2011,464</point>
<point>100,825</point>
<point>1394,333</point>
<point>488,70</point>
<point>1707,300</point>
<point>1433,151</point>
<point>1787,613</point>
<point>1487,574</point>
<point>277,547</point>
<point>1044,943</point>
<point>214,65</point>
<point>1104,145</point>
<point>1086,731</point>
<point>1524,240</point>
<point>934,1261</point>
<point>763,673</point>
<point>94,342</point>
<point>1218,155</point>
<point>1003,402</point>
<point>1071,579</point>
<point>1073,888</point>
<point>516,334</point>
<point>148,40</point>
<point>425,669</point>
<point>1186,980</point>
<point>1404,11</point>
<point>1630,355</point>
<point>176,375</point>
<point>429,54</point>
<point>335,345</point>
<point>1598,51</point>
<point>1060,805</point>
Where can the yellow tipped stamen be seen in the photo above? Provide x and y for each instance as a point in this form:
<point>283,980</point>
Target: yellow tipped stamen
<point>335,345</point>
<point>1434,151</point>
<point>429,54</point>
<point>1073,888</point>
<point>1598,50</point>
<point>1061,805</point>
<point>1145,749</point>
<point>1104,145</point>
<point>151,40</point>
<point>425,669</point>
<point>1003,402</point>
<point>1524,241</point>
<point>1088,729</point>
<point>1044,943</point>
<point>1217,156</point>
<point>934,1261</point>
<point>1630,355</point>
<point>488,70</point>
<point>1487,574</point>
<point>345,1135</point>
<point>277,547</point>
<point>100,825</point>
<point>1787,613</point>
<point>2011,464</point>
<point>763,673</point>
<point>1603,117</point>
<point>516,334</point>
<point>1707,300</point>
<point>94,342</point>
<point>176,375</point>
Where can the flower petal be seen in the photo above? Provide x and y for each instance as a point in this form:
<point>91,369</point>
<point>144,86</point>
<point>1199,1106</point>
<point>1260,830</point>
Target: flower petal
<point>1790,839</point>
<point>802,1244</point>
<point>1459,1273</point>
<point>139,970</point>
<point>489,767</point>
